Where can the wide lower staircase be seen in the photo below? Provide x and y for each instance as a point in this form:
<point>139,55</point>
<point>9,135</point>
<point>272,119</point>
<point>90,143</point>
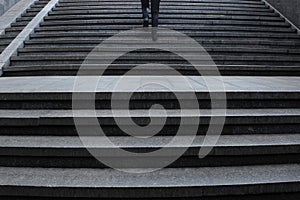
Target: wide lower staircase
<point>256,157</point>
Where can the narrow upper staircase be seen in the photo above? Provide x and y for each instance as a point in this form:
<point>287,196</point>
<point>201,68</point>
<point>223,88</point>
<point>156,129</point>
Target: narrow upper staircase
<point>244,37</point>
<point>21,22</point>
<point>256,157</point>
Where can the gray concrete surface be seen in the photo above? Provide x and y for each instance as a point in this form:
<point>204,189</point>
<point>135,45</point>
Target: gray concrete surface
<point>289,8</point>
<point>40,115</point>
<point>185,177</point>
<point>13,13</point>
<point>6,4</point>
<point>56,84</point>
<point>66,142</point>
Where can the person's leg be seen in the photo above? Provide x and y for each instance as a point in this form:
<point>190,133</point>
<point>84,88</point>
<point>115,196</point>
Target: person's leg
<point>145,7</point>
<point>155,12</point>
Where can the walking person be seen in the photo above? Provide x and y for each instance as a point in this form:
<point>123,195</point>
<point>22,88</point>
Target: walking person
<point>154,12</point>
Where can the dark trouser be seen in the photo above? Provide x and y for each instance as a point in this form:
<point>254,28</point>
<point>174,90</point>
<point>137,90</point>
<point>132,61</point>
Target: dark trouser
<point>154,10</point>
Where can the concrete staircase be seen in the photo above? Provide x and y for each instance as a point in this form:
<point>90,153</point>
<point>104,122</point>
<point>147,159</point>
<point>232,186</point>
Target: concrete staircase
<point>243,37</point>
<point>257,156</point>
<point>21,22</point>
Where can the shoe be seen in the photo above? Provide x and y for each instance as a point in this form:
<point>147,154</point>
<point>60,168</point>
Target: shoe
<point>154,34</point>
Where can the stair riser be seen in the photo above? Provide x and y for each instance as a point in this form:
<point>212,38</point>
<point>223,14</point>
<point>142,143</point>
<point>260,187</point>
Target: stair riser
<point>137,12</point>
<point>143,121</point>
<point>163,17</point>
<point>68,72</point>
<point>280,196</point>
<point>166,131</point>
<point>238,42</point>
<point>165,5</point>
<point>99,29</point>
<point>212,53</point>
<point>137,22</point>
<point>175,8</point>
<point>198,37</point>
<point>168,104</point>
<point>187,26</point>
<point>251,61</point>
<point>158,192</point>
<point>88,162</point>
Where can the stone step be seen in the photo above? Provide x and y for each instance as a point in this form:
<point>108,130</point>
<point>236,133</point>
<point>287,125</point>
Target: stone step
<point>143,54</point>
<point>160,55</point>
<point>218,42</point>
<point>4,41</point>
<point>120,69</point>
<point>173,26</point>
<point>83,13</point>
<point>73,50</point>
<point>65,117</point>
<point>53,151</point>
<point>176,9</point>
<point>170,5</point>
<point>10,35</point>
<point>24,19</point>
<point>183,1</point>
<point>194,34</point>
<point>241,92</point>
<point>188,182</point>
<point>210,45</point>
<point>163,17</point>
<point>38,6</point>
<point>115,29</point>
<point>163,22</point>
<point>42,2</point>
<point>32,10</point>
<point>29,14</point>
<point>13,29</point>
<point>219,59</point>
<point>165,3</point>
<point>61,122</point>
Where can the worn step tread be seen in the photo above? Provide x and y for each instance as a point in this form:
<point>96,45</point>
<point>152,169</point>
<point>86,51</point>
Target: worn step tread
<point>173,12</point>
<point>188,1</point>
<point>130,22</point>
<point>145,113</point>
<point>73,142</point>
<point>167,58</point>
<point>163,17</point>
<point>170,3</point>
<point>129,66</point>
<point>162,35</point>
<point>74,49</point>
<point>120,69</point>
<point>114,30</point>
<point>228,41</point>
<point>189,181</point>
<point>65,84</point>
<point>178,9</point>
